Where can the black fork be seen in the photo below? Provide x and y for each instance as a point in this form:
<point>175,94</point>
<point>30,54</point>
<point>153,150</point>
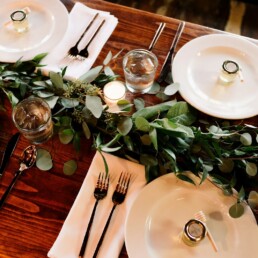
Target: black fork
<point>100,193</point>
<point>117,198</point>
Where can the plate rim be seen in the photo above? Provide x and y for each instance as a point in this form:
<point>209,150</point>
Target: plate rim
<point>63,15</point>
<point>161,181</point>
<point>231,114</point>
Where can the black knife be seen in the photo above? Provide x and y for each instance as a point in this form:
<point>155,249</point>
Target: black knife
<point>168,60</point>
<point>8,151</point>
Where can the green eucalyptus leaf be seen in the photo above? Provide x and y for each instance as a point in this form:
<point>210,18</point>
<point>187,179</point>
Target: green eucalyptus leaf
<point>180,113</point>
<point>148,160</point>
<point>246,139</point>
<point>205,174</point>
<point>146,140</point>
<point>236,210</point>
<point>56,79</point>
<point>167,125</point>
<point>256,138</point>
<point>162,96</point>
<point>41,84</point>
<point>65,121</point>
<point>142,124</point>
<point>77,141</point>
<point>149,112</point>
<point>108,149</point>
<point>139,103</point>
<point>253,199</point>
<point>108,58</point>
<point>104,161</point>
<point>91,75</point>
<point>241,194</point>
<point>86,130</point>
<point>11,98</point>
<point>94,104</point>
<point>172,89</point>
<point>226,165</point>
<point>70,167</point>
<point>124,105</point>
<point>38,58</point>
<point>251,168</point>
<point>154,138</point>
<point>108,71</point>
<point>155,88</point>
<point>44,160</point>
<point>43,94</point>
<point>69,103</point>
<point>52,101</point>
<point>125,125</point>
<point>185,178</point>
<point>98,141</point>
<point>65,135</point>
<point>128,142</point>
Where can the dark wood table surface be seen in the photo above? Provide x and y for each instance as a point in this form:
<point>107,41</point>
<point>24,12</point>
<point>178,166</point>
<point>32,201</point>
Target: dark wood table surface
<point>38,205</point>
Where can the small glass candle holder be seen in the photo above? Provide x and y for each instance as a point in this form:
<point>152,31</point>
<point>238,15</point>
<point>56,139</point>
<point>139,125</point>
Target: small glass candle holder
<point>32,117</point>
<point>140,67</point>
<point>194,232</point>
<point>114,91</point>
<point>20,21</point>
<point>229,71</point>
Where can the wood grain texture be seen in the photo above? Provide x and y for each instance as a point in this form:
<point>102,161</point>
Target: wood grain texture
<point>38,205</point>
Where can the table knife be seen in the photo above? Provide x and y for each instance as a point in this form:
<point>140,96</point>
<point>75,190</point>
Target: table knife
<point>166,65</point>
<point>8,152</point>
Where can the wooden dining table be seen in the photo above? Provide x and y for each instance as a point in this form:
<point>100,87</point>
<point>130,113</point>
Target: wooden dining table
<point>36,209</point>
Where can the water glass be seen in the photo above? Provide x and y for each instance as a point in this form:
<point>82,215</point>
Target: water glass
<point>140,67</point>
<point>32,117</point>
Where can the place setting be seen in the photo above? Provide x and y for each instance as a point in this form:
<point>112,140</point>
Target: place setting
<point>125,176</point>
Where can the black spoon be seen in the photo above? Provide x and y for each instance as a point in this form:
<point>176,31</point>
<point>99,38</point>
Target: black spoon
<point>28,159</point>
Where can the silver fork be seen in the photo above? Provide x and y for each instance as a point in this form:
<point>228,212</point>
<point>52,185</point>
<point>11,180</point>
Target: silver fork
<point>100,193</point>
<point>117,198</point>
<point>74,51</point>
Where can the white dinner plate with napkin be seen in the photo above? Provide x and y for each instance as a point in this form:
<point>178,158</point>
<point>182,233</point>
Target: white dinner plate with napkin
<point>79,18</point>
<point>69,240</point>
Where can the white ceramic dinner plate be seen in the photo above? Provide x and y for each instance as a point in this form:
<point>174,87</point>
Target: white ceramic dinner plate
<point>164,206</point>
<point>197,66</point>
<point>48,21</point>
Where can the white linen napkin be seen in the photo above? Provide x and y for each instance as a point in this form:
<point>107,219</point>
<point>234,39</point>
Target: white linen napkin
<point>69,240</point>
<point>79,17</point>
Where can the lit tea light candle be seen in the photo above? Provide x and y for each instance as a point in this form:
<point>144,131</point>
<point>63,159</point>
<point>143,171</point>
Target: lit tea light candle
<point>114,91</point>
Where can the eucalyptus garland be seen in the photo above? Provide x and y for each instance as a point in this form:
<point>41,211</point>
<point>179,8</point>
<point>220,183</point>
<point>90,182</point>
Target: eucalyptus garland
<point>167,137</point>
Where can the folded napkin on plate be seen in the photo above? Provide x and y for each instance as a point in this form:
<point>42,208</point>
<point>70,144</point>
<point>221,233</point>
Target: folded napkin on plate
<point>79,17</point>
<point>69,240</point>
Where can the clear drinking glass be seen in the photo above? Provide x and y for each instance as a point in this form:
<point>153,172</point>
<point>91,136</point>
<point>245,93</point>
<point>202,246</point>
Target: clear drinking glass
<point>32,117</point>
<point>140,67</point>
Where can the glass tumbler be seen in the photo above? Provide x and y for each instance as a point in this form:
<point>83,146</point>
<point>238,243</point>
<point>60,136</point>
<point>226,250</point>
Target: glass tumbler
<point>32,117</point>
<point>139,67</point>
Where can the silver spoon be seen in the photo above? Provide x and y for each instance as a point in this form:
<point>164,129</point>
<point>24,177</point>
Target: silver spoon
<point>28,159</point>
